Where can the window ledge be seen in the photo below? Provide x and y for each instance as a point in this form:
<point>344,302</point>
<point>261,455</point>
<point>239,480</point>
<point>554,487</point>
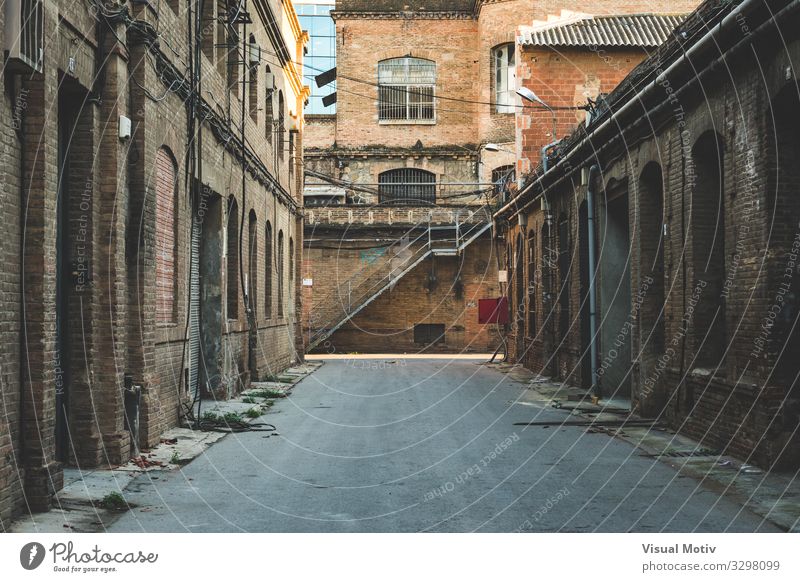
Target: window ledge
<point>406,122</point>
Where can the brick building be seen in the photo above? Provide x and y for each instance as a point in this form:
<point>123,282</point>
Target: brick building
<point>686,175</point>
<point>428,117</point>
<point>150,195</point>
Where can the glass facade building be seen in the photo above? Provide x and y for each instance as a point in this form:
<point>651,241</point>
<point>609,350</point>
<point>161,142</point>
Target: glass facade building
<point>315,18</point>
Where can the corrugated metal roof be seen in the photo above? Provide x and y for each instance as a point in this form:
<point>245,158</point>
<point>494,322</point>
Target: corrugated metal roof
<point>637,30</point>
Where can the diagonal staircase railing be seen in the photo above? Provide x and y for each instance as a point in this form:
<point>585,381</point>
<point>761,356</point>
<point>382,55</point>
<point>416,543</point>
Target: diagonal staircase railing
<point>349,297</point>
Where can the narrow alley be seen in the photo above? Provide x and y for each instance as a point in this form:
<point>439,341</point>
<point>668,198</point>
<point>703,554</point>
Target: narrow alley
<point>409,445</point>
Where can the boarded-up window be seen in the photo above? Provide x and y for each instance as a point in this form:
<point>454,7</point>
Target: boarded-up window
<point>165,235</point>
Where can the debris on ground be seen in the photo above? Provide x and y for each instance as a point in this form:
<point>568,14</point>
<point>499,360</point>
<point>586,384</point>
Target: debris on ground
<point>144,463</point>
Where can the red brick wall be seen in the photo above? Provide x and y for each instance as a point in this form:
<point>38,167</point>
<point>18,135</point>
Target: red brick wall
<point>564,78</point>
<point>363,42</point>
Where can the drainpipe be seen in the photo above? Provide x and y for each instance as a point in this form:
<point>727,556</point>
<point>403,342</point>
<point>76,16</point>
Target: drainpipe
<point>544,154</point>
<point>592,281</point>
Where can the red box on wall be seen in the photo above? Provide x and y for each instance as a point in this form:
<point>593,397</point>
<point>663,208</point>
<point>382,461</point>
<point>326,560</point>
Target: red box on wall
<point>493,310</point>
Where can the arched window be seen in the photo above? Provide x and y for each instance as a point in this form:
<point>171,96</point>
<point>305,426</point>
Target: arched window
<point>708,250</point>
<point>505,78</point>
<point>165,182</point>
<point>281,129</point>
<point>269,107</point>
<point>407,186</point>
<point>291,156</point>
<point>406,89</point>
<point>270,271</point>
<point>252,262</point>
<point>253,69</point>
<point>232,262</point>
<point>281,263</point>
<point>502,176</point>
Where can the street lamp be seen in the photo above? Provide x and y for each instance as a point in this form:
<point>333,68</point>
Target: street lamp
<point>493,147</point>
<point>529,95</point>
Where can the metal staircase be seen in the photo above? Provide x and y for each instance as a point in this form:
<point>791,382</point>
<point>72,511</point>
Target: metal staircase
<point>353,295</point>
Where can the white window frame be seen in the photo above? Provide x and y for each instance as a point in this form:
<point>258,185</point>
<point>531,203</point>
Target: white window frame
<point>402,83</point>
<point>504,75</point>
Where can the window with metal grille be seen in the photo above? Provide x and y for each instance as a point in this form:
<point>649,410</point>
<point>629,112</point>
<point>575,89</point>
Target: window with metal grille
<point>24,21</point>
<point>407,186</point>
<point>502,177</point>
<point>406,90</point>
<point>281,129</point>
<point>505,78</point>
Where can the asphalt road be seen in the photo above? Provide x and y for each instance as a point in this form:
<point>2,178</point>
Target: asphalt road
<point>423,445</point>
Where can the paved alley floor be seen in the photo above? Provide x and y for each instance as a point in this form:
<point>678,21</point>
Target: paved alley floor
<point>400,445</point>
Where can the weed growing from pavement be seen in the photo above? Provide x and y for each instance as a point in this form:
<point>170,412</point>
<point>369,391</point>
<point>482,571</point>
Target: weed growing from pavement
<point>266,393</point>
<point>114,501</point>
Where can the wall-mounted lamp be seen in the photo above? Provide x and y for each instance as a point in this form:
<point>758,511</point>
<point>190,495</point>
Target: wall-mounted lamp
<point>493,147</point>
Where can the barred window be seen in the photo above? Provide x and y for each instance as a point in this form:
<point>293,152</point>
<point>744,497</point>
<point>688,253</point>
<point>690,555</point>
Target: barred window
<point>407,186</point>
<point>406,89</point>
<point>502,176</point>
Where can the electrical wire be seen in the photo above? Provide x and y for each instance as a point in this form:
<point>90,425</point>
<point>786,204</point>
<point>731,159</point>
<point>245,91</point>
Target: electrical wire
<point>440,97</point>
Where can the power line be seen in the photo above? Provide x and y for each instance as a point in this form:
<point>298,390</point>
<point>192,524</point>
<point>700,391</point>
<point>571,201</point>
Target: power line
<point>442,97</point>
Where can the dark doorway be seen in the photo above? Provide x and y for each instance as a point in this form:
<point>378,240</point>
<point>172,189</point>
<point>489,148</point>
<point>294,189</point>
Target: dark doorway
<point>585,307</point>
<point>65,126</point>
<point>651,285</point>
<point>519,299</point>
<point>252,295</point>
<point>615,296</point>
<point>783,206</point>
<point>708,252</point>
<point>564,280</point>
